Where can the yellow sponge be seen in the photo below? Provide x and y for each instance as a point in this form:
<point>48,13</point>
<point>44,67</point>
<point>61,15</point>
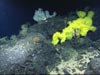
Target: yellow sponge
<point>79,27</point>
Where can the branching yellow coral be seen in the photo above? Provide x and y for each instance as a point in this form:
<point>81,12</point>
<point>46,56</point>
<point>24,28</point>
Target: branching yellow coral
<point>78,27</point>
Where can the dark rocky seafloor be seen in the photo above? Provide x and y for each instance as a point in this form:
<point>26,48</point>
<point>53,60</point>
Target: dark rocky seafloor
<point>31,52</point>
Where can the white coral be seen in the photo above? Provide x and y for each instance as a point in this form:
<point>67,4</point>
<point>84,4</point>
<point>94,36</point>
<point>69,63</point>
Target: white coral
<point>41,15</point>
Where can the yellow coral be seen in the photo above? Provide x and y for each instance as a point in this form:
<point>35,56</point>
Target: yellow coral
<point>55,37</point>
<point>81,14</point>
<point>78,27</point>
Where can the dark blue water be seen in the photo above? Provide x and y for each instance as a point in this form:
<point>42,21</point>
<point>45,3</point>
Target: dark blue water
<point>12,16</point>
